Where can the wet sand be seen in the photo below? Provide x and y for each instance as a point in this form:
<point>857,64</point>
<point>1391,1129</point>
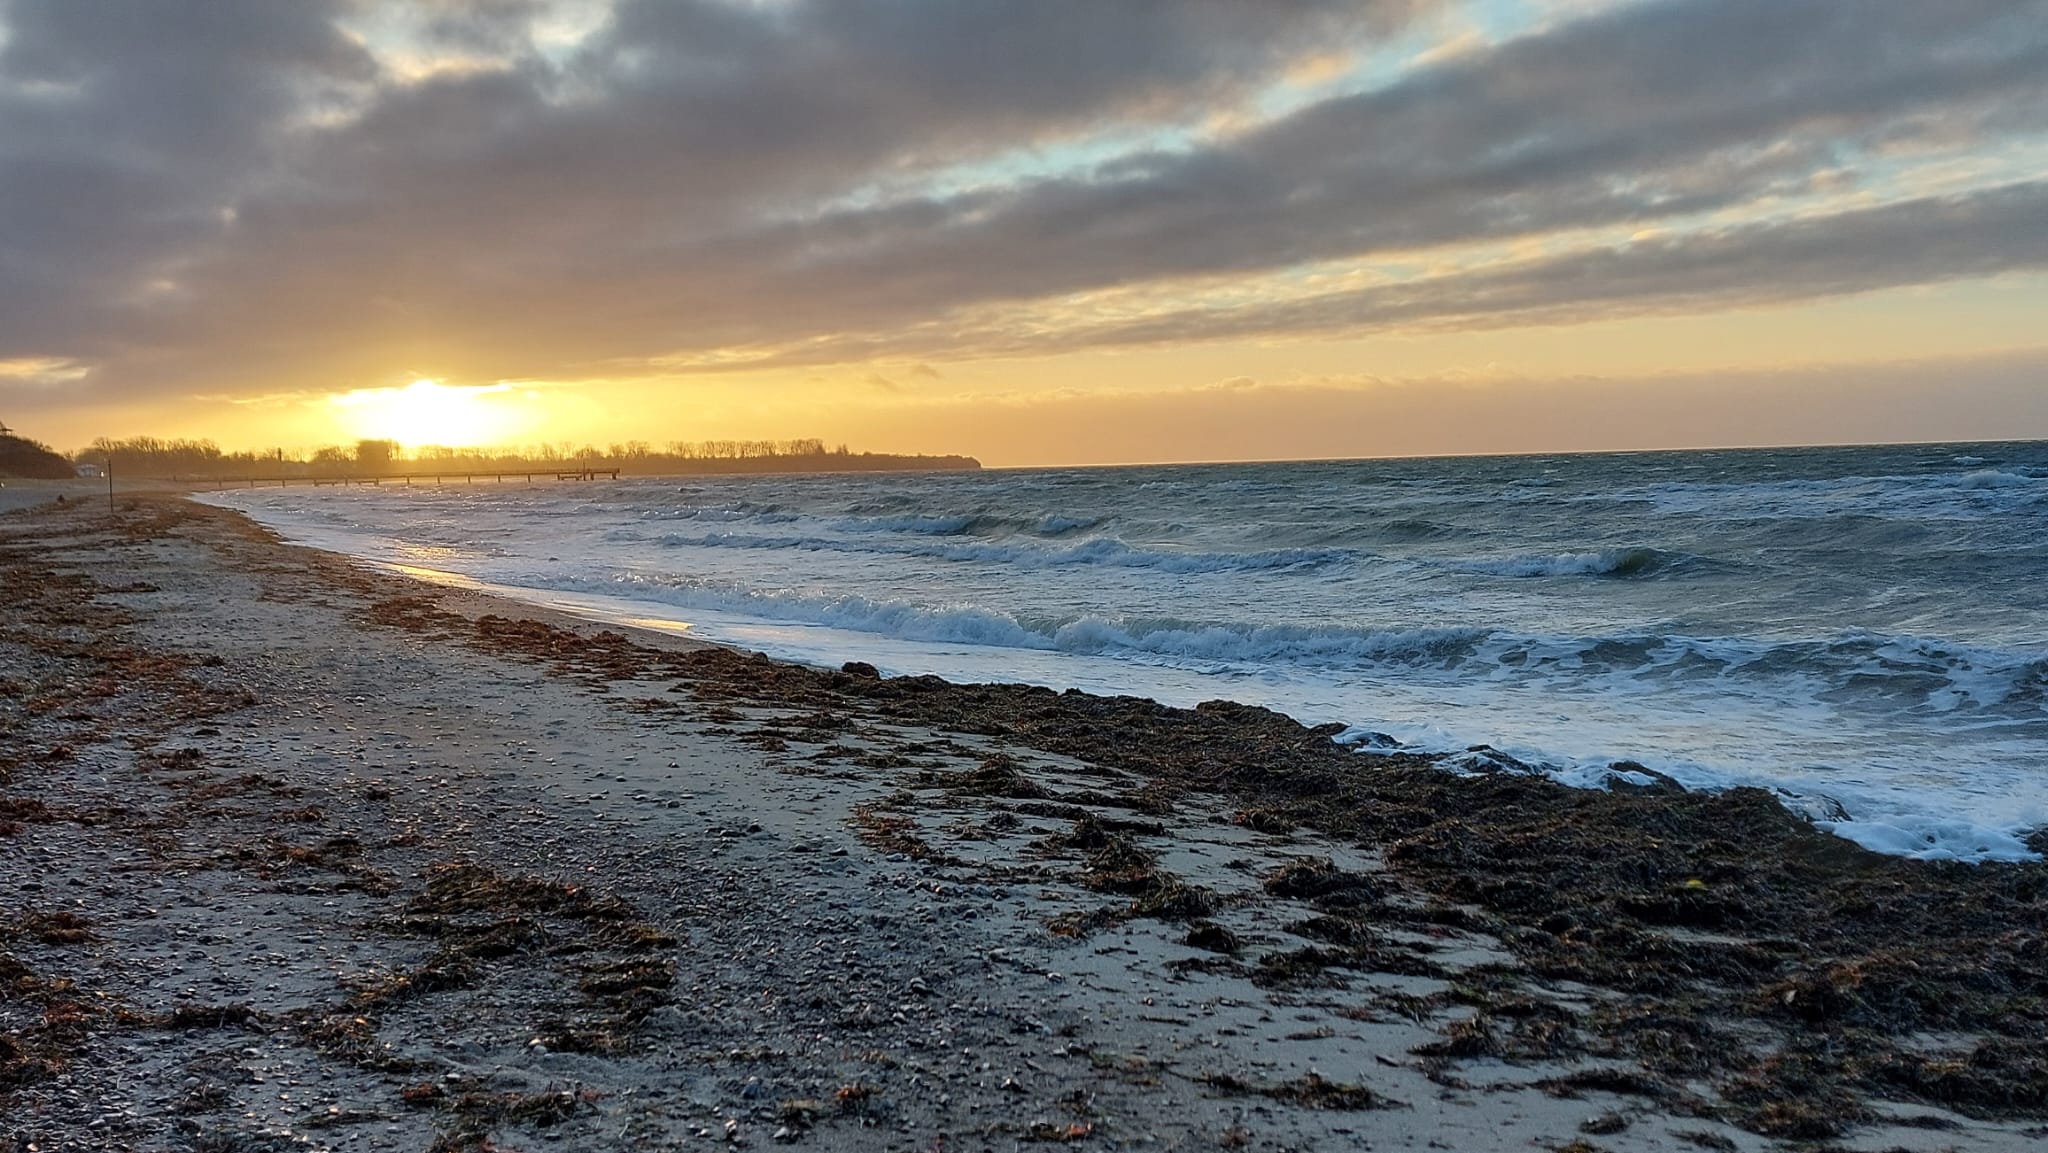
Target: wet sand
<point>309,857</point>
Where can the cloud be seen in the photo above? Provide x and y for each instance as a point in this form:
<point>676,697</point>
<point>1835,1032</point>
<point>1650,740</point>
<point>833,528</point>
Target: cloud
<point>125,129</point>
<point>1915,242</point>
<point>39,371</point>
<point>242,195</point>
<point>1647,113</point>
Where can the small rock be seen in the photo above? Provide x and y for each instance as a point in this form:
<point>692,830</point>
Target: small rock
<point>1608,1122</point>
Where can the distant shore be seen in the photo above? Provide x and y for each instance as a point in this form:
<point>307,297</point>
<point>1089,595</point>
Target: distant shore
<point>512,873</point>
<point>300,472</point>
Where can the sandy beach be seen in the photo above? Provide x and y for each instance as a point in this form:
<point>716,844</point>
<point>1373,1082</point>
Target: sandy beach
<point>17,494</point>
<point>306,856</point>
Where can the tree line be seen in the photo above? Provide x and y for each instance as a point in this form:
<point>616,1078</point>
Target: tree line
<point>148,456</point>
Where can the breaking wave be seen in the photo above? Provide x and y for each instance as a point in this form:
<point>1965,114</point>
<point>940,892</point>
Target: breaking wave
<point>1106,551</point>
<point>1613,562</point>
<point>1875,671</point>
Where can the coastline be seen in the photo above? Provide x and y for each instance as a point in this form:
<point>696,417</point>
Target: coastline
<point>519,877</point>
<point>1658,646</point>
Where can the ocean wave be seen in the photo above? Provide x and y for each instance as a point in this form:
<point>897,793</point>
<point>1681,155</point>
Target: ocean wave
<point>1288,644</point>
<point>979,524</point>
<point>955,524</point>
<point>1415,529</point>
<point>1055,524</point>
<point>1613,562</point>
<point>1889,675</point>
<point>1940,495</point>
<point>726,513</point>
<point>1992,478</point>
<point>964,624</point>
<point>1106,551</point>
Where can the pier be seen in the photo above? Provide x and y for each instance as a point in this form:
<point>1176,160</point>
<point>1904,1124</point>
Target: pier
<point>410,478</point>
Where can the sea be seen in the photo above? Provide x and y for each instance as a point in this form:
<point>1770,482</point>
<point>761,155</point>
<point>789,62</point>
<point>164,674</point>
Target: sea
<point>1863,631</point>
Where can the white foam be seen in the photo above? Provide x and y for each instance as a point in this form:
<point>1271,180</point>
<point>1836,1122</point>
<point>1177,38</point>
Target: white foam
<point>1985,478</point>
<point>1924,838</point>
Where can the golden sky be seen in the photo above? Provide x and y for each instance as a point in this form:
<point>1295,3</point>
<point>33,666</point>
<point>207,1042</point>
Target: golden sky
<point>1037,231</point>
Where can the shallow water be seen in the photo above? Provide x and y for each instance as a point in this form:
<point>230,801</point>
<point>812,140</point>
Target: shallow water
<point>1864,629</point>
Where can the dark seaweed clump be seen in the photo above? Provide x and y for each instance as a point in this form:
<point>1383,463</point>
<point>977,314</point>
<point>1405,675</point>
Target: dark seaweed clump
<point>1702,910</point>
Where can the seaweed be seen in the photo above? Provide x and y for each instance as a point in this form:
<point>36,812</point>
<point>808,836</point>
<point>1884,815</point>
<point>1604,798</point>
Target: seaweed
<point>1311,1091</point>
<point>1211,936</point>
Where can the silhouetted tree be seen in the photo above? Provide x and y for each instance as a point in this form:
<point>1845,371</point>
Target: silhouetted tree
<point>375,456</point>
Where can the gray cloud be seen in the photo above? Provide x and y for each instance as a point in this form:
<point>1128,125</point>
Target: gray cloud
<point>124,128</point>
<point>1920,241</point>
<point>1643,115</point>
<point>240,193</point>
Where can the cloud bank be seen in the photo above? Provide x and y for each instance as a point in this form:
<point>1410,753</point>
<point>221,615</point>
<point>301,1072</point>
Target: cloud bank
<point>246,195</point>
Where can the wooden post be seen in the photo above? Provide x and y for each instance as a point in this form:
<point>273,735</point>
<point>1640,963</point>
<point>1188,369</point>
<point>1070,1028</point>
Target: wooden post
<point>110,482</point>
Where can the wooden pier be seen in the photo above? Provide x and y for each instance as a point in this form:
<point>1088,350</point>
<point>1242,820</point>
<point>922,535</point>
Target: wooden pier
<point>410,478</point>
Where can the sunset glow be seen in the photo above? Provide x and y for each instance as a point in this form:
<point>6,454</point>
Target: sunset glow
<point>427,412</point>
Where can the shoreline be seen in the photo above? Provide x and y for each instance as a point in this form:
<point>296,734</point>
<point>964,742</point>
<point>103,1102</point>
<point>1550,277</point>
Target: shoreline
<point>529,878</point>
<point>1901,822</point>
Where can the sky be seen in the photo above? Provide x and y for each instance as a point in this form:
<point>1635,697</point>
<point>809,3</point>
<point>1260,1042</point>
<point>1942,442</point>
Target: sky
<point>1037,231</point>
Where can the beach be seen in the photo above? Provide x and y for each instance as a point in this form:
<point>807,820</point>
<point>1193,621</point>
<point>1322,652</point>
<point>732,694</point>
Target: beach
<point>16,493</point>
<point>308,855</point>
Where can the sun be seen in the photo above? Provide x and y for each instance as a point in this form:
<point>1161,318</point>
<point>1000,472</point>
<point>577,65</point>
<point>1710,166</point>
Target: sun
<point>429,412</point>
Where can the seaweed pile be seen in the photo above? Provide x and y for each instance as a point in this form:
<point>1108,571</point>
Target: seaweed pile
<point>1735,943</point>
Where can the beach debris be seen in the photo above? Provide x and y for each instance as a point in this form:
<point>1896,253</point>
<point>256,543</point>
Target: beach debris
<point>1604,1123</point>
<point>1312,1091</point>
<point>1211,936</point>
